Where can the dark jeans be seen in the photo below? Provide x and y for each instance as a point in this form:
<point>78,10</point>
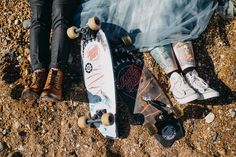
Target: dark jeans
<point>46,15</point>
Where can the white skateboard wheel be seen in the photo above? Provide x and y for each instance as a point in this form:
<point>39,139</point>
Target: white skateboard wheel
<point>71,32</point>
<point>82,122</point>
<point>107,119</point>
<point>94,23</point>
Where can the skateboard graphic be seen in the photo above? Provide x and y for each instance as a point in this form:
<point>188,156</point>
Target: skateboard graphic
<point>98,78</point>
<point>147,101</point>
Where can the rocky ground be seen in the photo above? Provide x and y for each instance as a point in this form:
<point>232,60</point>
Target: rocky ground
<point>39,129</point>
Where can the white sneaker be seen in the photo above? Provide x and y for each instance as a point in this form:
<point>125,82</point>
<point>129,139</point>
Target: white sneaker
<point>200,86</point>
<point>182,92</point>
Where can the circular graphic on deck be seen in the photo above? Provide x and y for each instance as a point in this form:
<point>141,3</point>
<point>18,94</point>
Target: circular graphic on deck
<point>168,132</point>
<point>88,67</point>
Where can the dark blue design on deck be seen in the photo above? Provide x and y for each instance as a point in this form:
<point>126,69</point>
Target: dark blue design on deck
<point>88,67</point>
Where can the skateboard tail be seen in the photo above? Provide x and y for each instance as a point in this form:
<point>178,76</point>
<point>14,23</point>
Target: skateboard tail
<point>108,131</point>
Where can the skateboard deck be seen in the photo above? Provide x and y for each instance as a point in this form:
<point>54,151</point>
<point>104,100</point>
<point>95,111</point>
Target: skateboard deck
<point>98,78</point>
<point>146,100</point>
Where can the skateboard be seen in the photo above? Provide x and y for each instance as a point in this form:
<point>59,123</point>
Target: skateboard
<point>98,77</point>
<point>146,100</point>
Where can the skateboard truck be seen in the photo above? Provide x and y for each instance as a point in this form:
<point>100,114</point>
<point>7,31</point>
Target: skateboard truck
<point>163,116</point>
<point>88,32</point>
<point>101,117</point>
<point>175,110</point>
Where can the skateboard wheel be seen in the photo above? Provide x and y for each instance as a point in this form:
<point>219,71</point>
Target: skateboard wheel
<point>88,114</point>
<point>82,122</point>
<point>107,119</point>
<point>127,40</point>
<point>71,32</point>
<point>151,129</point>
<point>178,112</point>
<point>94,23</point>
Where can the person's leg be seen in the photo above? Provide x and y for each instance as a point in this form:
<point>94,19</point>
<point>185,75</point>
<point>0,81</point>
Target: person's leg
<point>62,15</point>
<point>182,92</point>
<point>40,33</point>
<point>185,56</point>
<point>165,58</point>
<point>39,47</point>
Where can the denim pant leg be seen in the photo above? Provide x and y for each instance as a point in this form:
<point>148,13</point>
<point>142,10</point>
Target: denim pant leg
<point>62,15</point>
<point>40,33</point>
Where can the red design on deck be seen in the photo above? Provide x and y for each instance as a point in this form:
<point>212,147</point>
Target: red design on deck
<point>130,79</point>
<point>93,53</point>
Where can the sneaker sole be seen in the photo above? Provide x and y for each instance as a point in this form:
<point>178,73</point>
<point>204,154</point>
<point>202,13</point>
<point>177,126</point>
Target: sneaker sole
<point>208,96</point>
<point>188,99</point>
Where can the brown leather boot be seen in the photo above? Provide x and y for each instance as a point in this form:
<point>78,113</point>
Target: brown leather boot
<point>52,91</point>
<point>34,90</point>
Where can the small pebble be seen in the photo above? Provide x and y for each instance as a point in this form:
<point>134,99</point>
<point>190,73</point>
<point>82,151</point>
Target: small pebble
<point>91,139</point>
<point>8,39</point>
<point>6,132</point>
<point>19,58</point>
<point>45,150</point>
<point>215,137</point>
<point>16,124</point>
<point>26,24</point>
<point>73,131</point>
<point>210,117</point>
<point>45,108</point>
<point>16,154</point>
<point>20,147</point>
<point>232,112</point>
<point>3,146</point>
<point>17,21</point>
<point>22,134</point>
<point>11,85</point>
<point>44,131</point>
<point>81,132</point>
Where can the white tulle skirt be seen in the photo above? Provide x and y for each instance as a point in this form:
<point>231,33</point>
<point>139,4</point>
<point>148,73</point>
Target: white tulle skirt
<point>150,23</point>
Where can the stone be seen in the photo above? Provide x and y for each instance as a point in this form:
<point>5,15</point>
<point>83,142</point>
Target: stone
<point>6,132</point>
<point>26,24</point>
<point>16,124</point>
<point>215,137</point>
<point>210,117</point>
<point>3,146</point>
<point>22,134</point>
<point>16,154</point>
<point>91,140</point>
<point>232,113</point>
<point>17,21</point>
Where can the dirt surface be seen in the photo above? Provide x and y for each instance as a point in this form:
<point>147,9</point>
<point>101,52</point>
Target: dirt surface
<point>39,129</point>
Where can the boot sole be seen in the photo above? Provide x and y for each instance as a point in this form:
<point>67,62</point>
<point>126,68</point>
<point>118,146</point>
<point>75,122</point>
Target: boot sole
<point>48,98</point>
<point>27,95</point>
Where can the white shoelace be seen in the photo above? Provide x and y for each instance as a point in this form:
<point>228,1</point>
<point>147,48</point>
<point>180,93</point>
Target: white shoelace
<point>197,82</point>
<point>180,84</point>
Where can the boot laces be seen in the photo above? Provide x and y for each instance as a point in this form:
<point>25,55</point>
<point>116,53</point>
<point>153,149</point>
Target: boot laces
<point>37,78</point>
<point>53,79</point>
